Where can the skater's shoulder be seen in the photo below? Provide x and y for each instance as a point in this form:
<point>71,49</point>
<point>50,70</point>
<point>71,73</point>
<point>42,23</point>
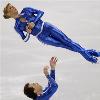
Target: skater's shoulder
<point>25,9</point>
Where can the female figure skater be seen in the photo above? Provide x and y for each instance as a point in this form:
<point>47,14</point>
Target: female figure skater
<point>29,22</point>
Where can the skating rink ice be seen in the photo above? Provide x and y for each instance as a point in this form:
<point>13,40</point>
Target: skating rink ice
<point>23,62</point>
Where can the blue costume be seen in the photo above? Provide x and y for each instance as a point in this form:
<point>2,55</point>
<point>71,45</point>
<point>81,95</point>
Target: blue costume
<point>49,34</point>
<point>50,89</point>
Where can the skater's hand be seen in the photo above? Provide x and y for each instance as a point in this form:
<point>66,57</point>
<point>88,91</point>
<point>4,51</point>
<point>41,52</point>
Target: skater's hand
<point>28,30</point>
<point>53,62</point>
<point>45,70</point>
<point>29,27</point>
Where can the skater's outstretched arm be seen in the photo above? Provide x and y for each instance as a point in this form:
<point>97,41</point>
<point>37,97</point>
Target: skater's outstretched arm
<point>53,62</point>
<point>33,12</point>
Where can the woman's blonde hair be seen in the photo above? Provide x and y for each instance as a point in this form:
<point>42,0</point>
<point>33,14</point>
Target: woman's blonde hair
<point>5,11</point>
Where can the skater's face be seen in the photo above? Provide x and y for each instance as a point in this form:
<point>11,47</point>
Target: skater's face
<point>10,11</point>
<point>37,88</point>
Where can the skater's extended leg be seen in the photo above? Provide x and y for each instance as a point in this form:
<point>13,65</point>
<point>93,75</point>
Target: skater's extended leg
<point>60,36</point>
<point>84,53</point>
<point>57,38</point>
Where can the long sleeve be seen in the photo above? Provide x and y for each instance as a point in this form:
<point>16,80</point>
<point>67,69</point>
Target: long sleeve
<point>34,14</point>
<point>52,74</point>
<point>51,80</point>
<point>25,38</point>
<point>50,90</point>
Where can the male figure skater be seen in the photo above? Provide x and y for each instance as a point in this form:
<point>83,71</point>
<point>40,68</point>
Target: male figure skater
<point>35,91</point>
<point>29,22</point>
